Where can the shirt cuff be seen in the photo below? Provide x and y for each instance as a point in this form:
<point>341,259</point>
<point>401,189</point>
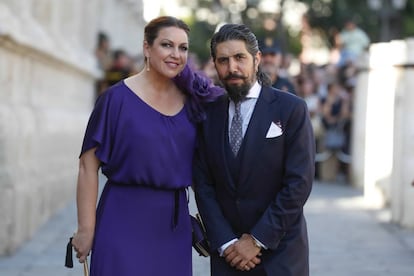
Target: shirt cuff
<point>259,242</point>
<point>224,246</point>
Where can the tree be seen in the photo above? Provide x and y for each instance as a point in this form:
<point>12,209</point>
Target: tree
<point>329,17</point>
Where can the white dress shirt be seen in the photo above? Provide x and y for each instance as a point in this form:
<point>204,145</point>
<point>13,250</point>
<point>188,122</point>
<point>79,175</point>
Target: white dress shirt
<point>246,107</point>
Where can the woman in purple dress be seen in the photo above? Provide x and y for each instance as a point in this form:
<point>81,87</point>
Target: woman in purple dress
<point>142,133</point>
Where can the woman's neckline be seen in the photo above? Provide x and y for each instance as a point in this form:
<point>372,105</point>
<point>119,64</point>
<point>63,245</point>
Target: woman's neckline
<point>150,106</point>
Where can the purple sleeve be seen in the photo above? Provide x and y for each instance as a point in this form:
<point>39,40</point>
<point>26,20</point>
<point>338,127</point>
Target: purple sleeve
<point>100,129</point>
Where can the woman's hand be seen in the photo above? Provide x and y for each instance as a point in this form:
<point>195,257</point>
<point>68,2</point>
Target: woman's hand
<point>82,243</point>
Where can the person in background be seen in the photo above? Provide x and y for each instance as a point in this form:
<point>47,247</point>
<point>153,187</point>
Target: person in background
<point>104,59</point>
<point>335,106</point>
<point>142,134</point>
<point>271,62</point>
<point>253,167</point>
<point>120,68</point>
<point>103,51</point>
<point>352,42</point>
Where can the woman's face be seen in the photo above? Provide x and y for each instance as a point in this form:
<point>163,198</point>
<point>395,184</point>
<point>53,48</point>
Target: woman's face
<point>168,54</point>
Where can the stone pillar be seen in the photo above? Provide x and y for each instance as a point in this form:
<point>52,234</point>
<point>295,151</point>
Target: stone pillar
<point>383,129</point>
<point>359,125</point>
<point>374,125</point>
<point>402,204</point>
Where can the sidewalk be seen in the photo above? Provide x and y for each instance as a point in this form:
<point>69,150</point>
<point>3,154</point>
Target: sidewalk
<point>345,239</point>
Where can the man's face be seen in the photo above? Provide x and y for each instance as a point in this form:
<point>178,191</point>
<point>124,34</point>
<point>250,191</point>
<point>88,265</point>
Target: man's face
<point>236,68</point>
<point>271,62</point>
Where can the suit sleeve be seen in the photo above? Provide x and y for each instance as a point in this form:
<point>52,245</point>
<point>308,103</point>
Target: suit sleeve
<point>218,229</point>
<point>286,209</point>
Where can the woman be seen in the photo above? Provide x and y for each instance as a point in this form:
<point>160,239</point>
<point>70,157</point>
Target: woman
<point>142,135</point>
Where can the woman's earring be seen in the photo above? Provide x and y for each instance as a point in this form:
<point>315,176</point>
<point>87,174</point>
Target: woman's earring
<point>148,65</point>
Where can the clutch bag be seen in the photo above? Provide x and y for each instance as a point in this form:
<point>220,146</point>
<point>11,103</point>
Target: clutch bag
<point>200,241</point>
<point>69,258</point>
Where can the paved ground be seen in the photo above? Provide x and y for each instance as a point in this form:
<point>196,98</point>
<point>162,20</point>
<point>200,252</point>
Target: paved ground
<point>345,239</point>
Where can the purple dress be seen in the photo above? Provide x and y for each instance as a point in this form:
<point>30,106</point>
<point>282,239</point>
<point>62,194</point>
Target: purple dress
<point>143,225</point>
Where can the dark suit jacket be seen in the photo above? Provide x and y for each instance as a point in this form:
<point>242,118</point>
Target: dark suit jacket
<point>275,181</point>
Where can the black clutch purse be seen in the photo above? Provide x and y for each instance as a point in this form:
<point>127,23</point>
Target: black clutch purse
<point>200,242</point>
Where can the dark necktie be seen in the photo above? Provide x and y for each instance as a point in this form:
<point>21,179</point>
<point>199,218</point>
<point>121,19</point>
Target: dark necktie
<point>236,132</point>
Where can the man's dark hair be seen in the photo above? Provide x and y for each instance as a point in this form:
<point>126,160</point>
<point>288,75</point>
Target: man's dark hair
<point>243,33</point>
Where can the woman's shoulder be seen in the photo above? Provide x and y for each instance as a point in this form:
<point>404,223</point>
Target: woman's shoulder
<point>115,91</point>
<point>113,96</point>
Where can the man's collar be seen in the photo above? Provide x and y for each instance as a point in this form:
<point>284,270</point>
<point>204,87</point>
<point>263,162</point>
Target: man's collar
<point>254,91</point>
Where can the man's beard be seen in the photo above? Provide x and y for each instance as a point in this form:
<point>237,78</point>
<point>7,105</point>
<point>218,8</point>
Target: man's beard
<point>237,93</point>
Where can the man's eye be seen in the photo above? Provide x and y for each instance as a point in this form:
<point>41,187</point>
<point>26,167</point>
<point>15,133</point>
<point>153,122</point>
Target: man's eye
<point>222,60</point>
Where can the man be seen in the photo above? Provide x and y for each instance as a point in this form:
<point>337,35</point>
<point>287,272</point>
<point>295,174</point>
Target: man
<point>251,191</point>
<point>271,62</point>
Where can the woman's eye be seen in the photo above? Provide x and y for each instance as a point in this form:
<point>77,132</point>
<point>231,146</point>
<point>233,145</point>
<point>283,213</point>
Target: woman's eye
<point>166,45</point>
<point>184,48</point>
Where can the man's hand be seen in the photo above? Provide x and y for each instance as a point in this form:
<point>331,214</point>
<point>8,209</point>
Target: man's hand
<point>243,254</point>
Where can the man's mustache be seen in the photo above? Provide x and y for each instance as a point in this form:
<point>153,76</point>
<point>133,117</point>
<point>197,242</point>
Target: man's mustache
<point>234,76</point>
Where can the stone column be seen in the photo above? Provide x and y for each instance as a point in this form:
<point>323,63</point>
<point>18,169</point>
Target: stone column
<point>374,125</point>
<point>359,124</point>
<point>402,204</point>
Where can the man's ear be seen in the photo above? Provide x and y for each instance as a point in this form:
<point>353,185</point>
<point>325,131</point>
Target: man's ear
<point>257,59</point>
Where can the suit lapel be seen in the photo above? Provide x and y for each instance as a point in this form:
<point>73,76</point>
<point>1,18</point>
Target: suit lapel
<point>254,138</point>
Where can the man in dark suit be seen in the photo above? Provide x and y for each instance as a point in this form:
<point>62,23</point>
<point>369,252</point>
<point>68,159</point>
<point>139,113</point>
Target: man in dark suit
<point>254,166</point>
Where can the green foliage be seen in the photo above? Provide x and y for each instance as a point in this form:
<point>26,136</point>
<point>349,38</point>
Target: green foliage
<point>200,35</point>
<point>329,16</point>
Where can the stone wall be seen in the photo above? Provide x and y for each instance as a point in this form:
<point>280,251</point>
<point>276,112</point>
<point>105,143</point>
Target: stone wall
<point>383,129</point>
<point>47,76</point>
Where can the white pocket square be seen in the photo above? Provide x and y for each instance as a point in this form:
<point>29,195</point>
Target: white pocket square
<point>275,130</point>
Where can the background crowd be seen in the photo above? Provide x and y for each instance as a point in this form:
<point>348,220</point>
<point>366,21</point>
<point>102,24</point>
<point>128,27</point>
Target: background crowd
<point>327,89</point>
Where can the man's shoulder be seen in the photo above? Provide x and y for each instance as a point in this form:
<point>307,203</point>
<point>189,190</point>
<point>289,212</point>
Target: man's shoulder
<point>282,95</point>
<point>218,102</point>
<point>285,101</point>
